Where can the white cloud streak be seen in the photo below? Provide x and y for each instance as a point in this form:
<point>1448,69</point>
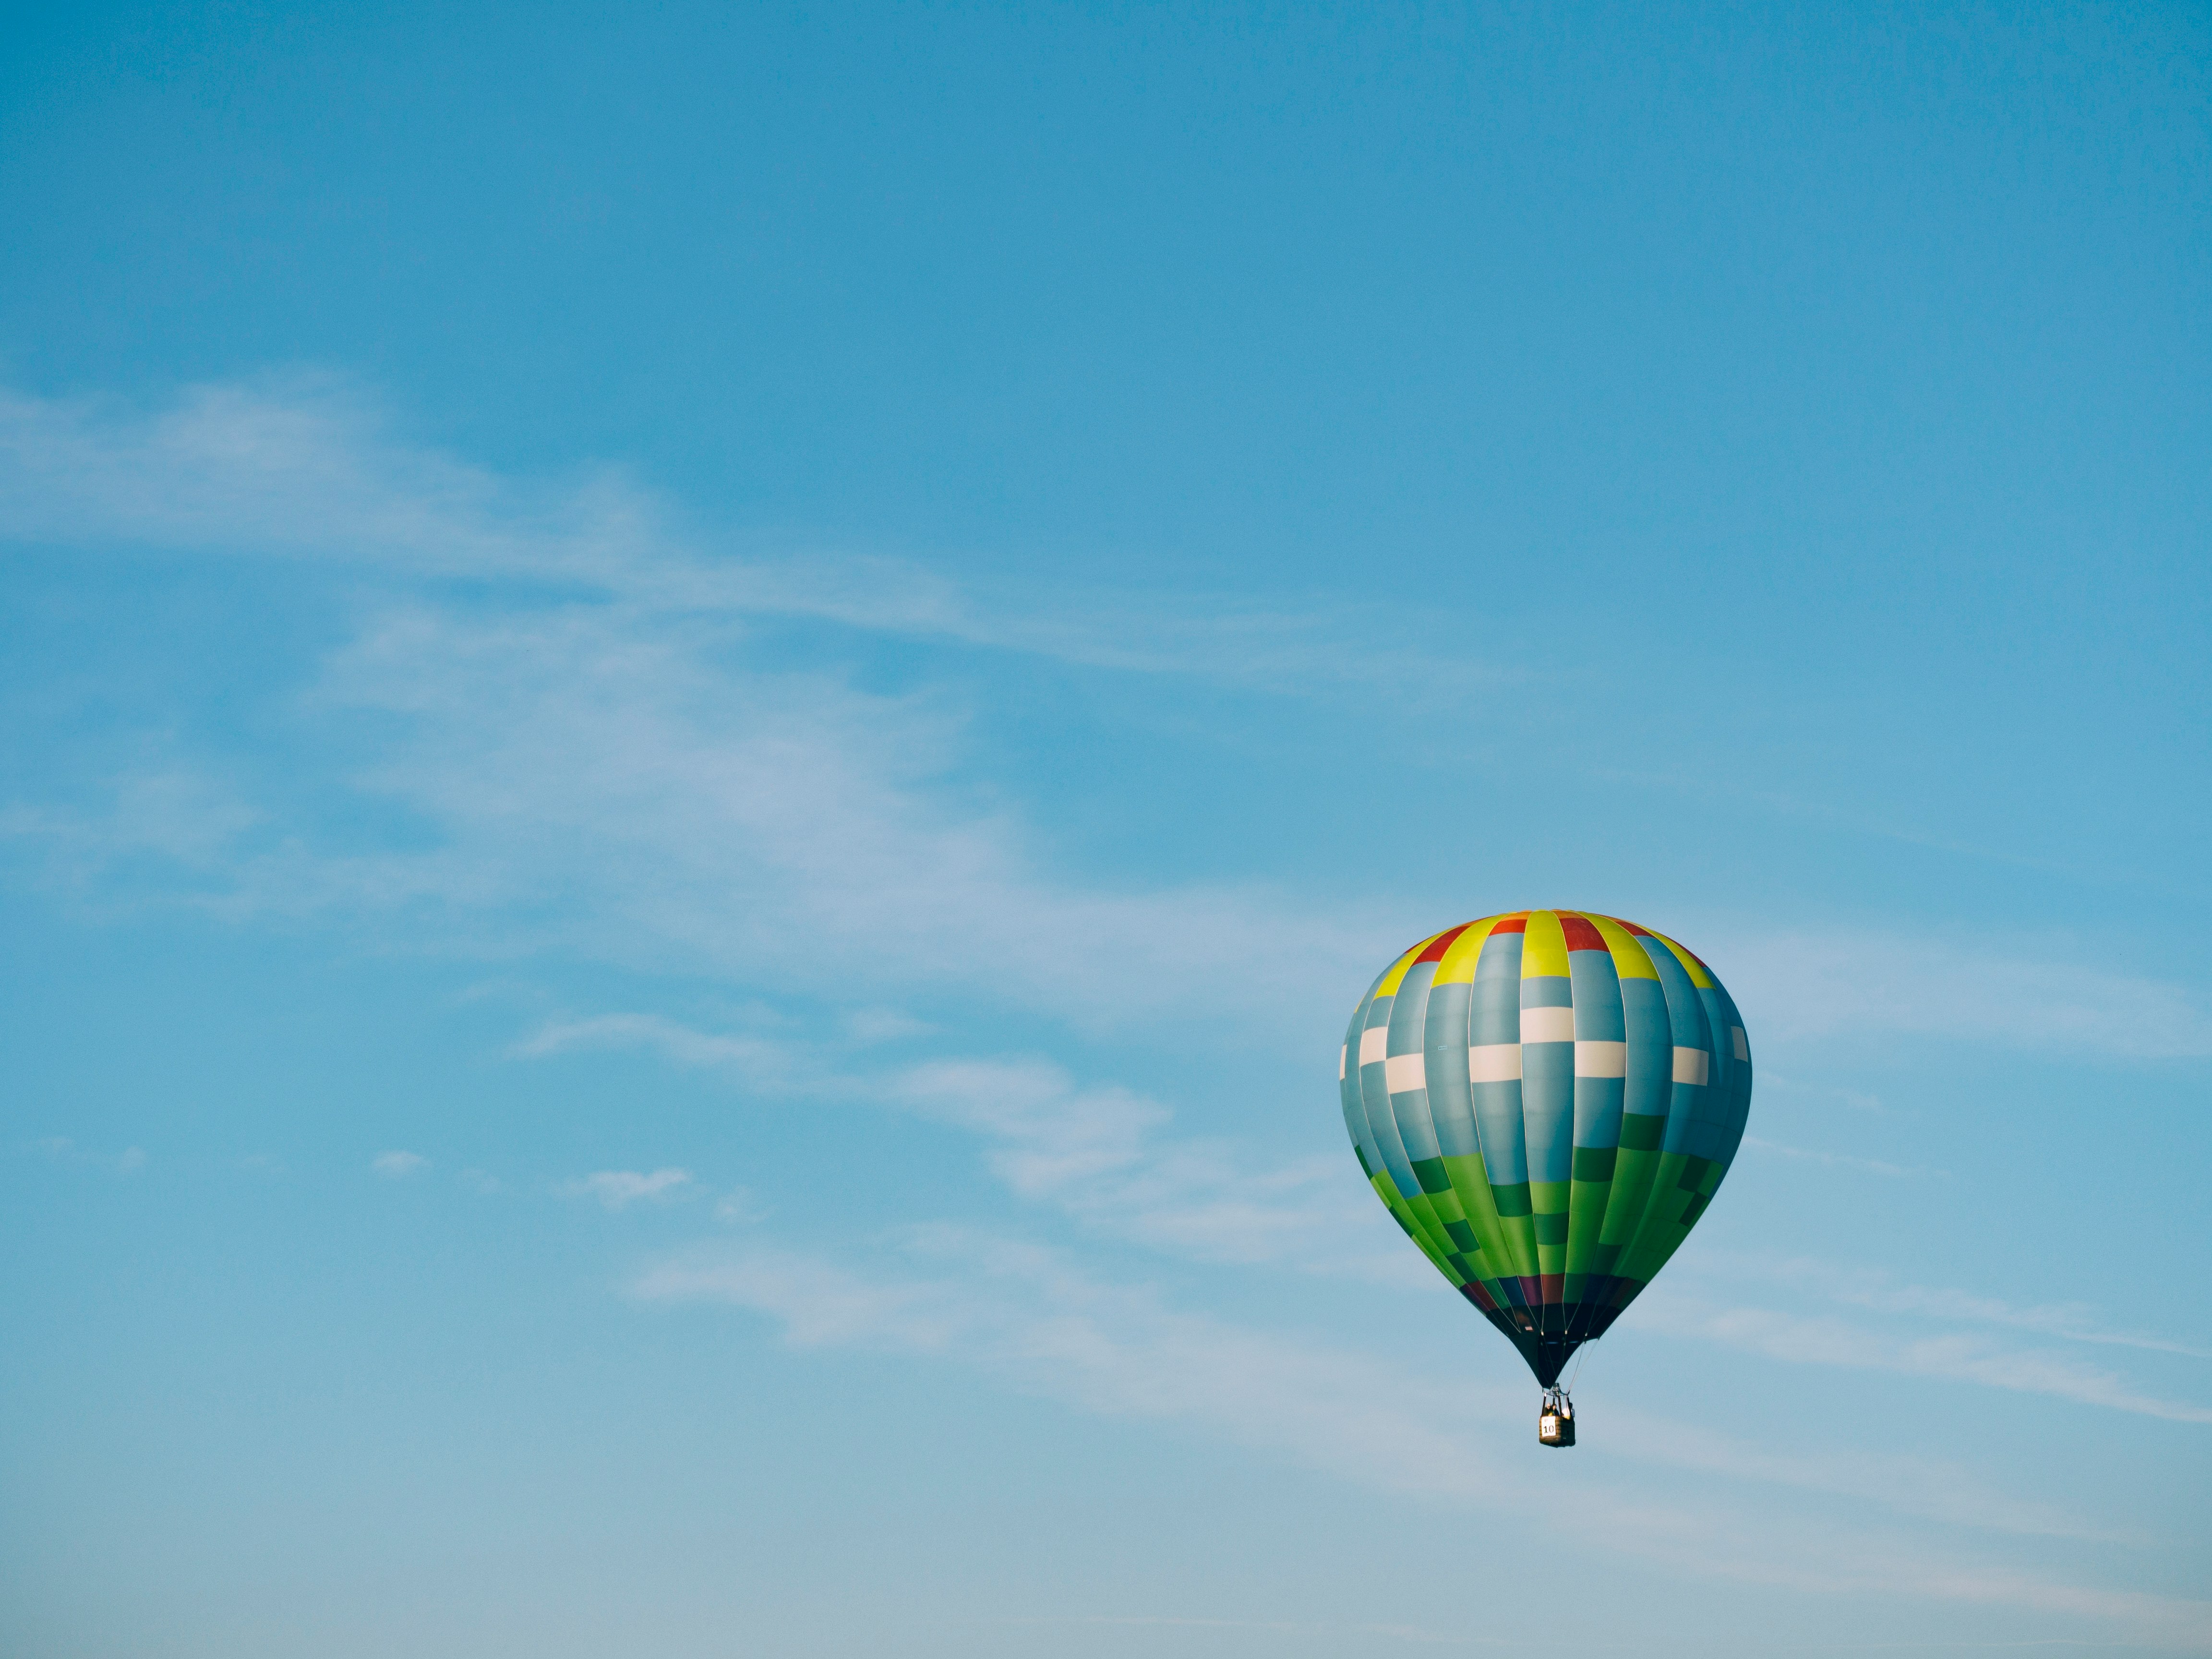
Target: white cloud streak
<point>617,1190</point>
<point>1835,1160</point>
<point>1800,1339</point>
<point>303,468</point>
<point>2027,993</point>
<point>64,1150</point>
<point>1033,1323</point>
<point>2074,1322</point>
<point>396,1165</point>
<point>1095,1152</point>
<point>607,771</point>
<point>752,1056</point>
<point>1023,1313</point>
<point>1868,1288</point>
<point>1916,1485</point>
<point>624,790</point>
<point>1098,1153</point>
<point>609,789</point>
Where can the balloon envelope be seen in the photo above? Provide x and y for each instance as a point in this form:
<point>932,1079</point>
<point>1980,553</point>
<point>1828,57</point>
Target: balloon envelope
<point>1546,1101</point>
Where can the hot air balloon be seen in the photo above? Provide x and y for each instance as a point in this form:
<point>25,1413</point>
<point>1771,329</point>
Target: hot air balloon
<point>1547,1102</point>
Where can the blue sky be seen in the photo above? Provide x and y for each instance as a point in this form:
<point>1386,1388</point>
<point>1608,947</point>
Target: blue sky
<point>710,713</point>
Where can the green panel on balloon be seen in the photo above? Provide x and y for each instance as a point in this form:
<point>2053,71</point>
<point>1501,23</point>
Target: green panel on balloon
<point>1570,1235</point>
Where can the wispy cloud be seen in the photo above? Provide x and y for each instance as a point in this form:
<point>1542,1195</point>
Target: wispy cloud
<point>605,768</point>
<point>1917,1484</point>
<point>1051,1136</point>
<point>2074,1322</point>
<point>1852,818</point>
<point>64,1150</point>
<point>306,467</point>
<point>1033,1323</point>
<point>1879,1292</point>
<point>754,1056</point>
<point>870,1025</point>
<point>1858,1100</point>
<point>617,1190</point>
<point>738,1206</point>
<point>606,788</point>
<point>298,467</point>
<point>1835,1160</point>
<point>396,1165</point>
<point>2033,992</point>
<point>1952,1356</point>
<point>1099,1153</point>
<point>1027,1314</point>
